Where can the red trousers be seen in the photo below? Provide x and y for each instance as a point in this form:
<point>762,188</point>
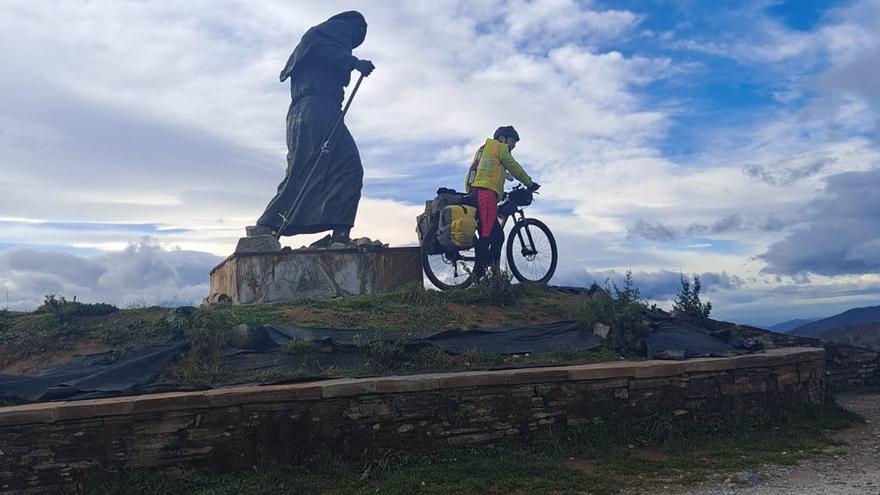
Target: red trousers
<point>487,208</point>
<point>488,247</point>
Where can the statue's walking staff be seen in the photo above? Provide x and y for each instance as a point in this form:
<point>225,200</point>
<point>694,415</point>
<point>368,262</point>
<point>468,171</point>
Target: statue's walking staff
<point>325,150</point>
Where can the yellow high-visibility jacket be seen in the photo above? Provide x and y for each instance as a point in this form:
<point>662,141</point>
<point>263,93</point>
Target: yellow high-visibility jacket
<point>490,166</point>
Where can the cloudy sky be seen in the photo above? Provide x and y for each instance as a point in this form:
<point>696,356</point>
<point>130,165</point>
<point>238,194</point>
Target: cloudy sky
<point>732,139</point>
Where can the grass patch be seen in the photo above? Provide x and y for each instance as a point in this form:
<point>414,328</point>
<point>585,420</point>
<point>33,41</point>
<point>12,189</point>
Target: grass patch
<point>28,340</point>
<point>300,347</point>
<point>64,328</point>
<point>585,459</point>
<point>275,375</point>
<point>207,335</point>
<point>61,329</point>
<point>395,358</point>
<point>435,359</point>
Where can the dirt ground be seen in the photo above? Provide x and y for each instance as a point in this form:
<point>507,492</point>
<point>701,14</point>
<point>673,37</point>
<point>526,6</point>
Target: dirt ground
<point>855,470</point>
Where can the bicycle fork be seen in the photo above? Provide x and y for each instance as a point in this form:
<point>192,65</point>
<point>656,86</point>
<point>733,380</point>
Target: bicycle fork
<point>526,250</point>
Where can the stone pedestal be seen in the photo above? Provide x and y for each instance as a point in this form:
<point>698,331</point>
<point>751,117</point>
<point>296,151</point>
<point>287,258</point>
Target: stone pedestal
<point>287,276</point>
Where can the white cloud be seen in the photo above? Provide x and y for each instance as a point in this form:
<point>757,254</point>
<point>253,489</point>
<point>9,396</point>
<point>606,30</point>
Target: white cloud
<point>170,114</point>
<point>544,21</point>
<point>142,273</point>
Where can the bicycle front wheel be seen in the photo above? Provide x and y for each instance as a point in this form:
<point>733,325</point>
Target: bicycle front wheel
<point>531,251</point>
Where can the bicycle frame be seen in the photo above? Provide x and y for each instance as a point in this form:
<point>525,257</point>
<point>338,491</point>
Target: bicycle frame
<point>518,215</point>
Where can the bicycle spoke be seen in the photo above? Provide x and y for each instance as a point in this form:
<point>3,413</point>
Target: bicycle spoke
<point>451,272</point>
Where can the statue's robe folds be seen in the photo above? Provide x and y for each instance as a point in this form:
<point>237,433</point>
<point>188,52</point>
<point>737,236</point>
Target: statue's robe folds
<point>319,68</point>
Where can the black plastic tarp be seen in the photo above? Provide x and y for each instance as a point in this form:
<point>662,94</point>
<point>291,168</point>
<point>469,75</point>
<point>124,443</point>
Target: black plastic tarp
<point>272,349</point>
<point>135,371</point>
<point>537,339</point>
<point>675,339</point>
<point>94,375</point>
<point>533,339</point>
<point>265,352</point>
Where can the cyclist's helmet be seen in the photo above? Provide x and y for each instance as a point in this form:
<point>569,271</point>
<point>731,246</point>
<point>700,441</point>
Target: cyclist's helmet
<point>506,132</point>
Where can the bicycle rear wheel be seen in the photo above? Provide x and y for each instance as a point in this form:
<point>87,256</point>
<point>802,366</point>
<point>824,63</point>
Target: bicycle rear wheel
<point>531,251</point>
<point>449,270</point>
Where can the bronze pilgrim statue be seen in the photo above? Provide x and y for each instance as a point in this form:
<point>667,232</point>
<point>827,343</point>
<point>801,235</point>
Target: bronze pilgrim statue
<point>320,190</point>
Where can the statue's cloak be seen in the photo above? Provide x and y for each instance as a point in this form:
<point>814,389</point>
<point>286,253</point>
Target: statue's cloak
<point>319,68</point>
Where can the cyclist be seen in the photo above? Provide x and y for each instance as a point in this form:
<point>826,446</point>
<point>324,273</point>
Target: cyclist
<point>491,165</point>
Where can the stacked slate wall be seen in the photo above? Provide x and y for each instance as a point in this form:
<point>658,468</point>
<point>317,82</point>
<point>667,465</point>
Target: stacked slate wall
<point>66,446</point>
<point>847,368</point>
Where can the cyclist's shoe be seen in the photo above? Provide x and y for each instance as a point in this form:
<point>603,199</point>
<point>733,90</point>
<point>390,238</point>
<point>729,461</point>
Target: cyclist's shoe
<point>534,187</point>
<point>481,252</point>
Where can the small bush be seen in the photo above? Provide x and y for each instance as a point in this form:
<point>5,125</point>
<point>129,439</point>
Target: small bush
<point>207,335</point>
<point>60,308</point>
<point>300,347</point>
<point>384,354</point>
<point>620,309</point>
<point>63,311</point>
<point>498,288</point>
<point>688,303</point>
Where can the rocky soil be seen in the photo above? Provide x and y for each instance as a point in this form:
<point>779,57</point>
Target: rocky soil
<point>854,470</point>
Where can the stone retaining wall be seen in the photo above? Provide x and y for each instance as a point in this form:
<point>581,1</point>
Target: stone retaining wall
<point>847,368</point>
<point>63,446</point>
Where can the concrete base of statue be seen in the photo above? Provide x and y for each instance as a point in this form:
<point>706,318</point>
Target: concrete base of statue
<point>294,275</point>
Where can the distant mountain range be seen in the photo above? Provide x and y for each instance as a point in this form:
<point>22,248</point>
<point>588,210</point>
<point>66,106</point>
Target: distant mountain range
<point>850,317</point>
<point>865,335</point>
<point>857,326</point>
<point>787,326</point>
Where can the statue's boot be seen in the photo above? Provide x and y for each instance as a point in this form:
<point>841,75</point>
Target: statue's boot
<point>322,243</point>
<point>342,236</point>
<point>339,239</point>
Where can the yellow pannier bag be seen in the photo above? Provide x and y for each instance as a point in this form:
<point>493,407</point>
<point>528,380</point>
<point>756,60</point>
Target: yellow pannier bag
<point>457,227</point>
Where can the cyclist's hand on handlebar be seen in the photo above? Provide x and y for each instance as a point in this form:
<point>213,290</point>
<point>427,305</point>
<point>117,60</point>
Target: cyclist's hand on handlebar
<point>534,187</point>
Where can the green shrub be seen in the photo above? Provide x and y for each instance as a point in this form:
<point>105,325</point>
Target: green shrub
<point>497,288</point>
<point>385,354</point>
<point>63,311</point>
<point>620,309</point>
<point>688,303</point>
<point>207,334</point>
<point>300,347</point>
<point>306,350</point>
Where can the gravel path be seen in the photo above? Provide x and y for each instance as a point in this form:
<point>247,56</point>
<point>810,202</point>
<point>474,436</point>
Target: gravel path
<point>855,472</point>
